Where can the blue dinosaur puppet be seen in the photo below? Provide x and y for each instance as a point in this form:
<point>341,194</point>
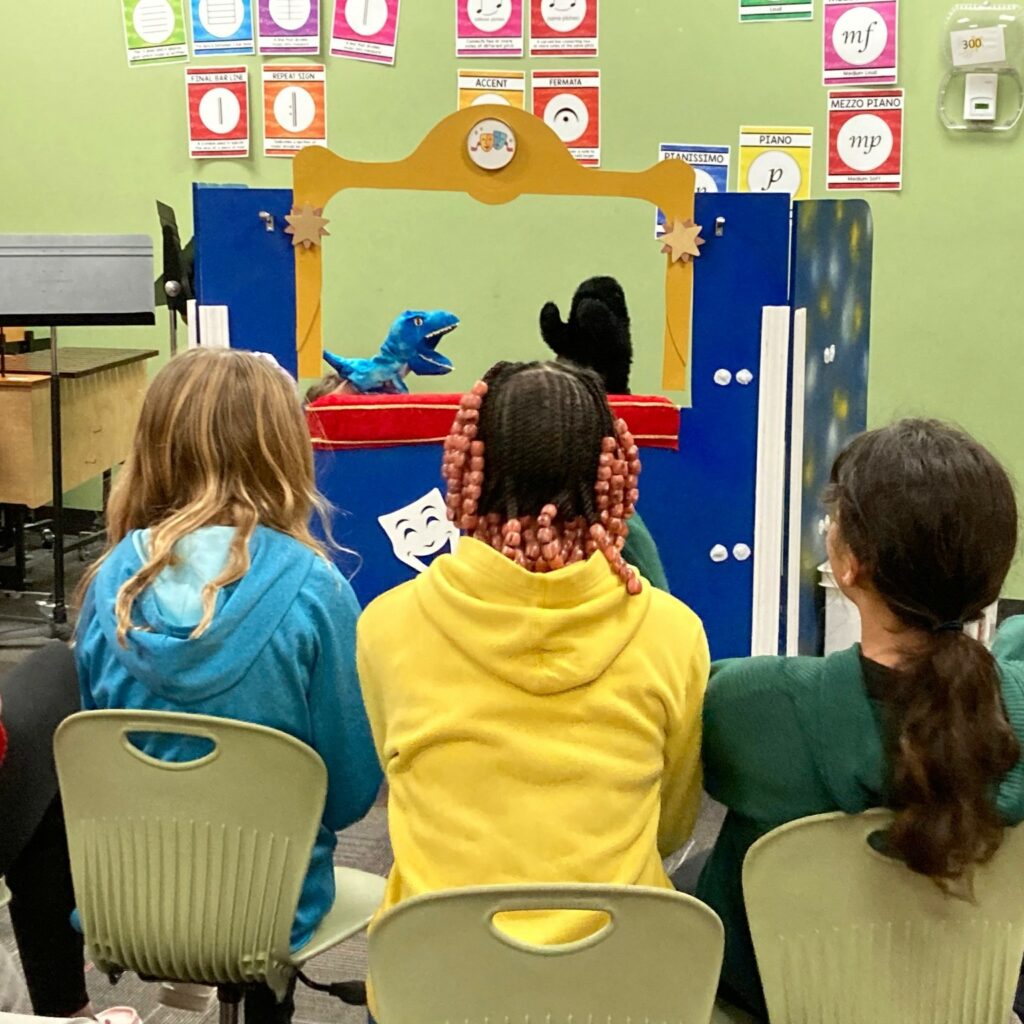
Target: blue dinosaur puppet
<point>410,347</point>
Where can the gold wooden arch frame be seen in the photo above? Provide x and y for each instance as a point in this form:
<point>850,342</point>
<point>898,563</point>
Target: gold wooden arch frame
<point>542,166</point>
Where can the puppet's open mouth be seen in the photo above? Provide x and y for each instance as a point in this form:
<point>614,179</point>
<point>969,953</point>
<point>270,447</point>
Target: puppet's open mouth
<point>433,339</point>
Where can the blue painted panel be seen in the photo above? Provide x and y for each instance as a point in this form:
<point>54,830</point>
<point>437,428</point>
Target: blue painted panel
<point>241,265</point>
<point>832,260</point>
<point>363,484</point>
<point>704,494</point>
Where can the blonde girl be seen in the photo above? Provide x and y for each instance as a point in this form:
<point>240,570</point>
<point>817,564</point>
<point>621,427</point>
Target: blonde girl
<point>215,598</point>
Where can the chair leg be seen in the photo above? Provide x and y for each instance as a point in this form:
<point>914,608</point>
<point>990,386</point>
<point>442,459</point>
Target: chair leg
<point>229,998</point>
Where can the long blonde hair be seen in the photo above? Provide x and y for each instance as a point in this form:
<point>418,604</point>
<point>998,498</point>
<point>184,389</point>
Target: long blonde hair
<point>221,441</point>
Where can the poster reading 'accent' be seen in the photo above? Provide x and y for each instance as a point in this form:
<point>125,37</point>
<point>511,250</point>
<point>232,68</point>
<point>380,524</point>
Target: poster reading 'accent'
<point>481,88</point>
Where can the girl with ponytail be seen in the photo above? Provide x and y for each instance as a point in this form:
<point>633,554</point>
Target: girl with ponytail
<point>535,703</point>
<point>919,717</point>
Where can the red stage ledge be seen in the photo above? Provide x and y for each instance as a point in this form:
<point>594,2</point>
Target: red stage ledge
<point>385,421</point>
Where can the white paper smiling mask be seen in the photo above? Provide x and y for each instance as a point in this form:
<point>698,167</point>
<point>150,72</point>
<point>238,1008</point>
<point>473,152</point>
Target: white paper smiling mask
<point>420,530</point>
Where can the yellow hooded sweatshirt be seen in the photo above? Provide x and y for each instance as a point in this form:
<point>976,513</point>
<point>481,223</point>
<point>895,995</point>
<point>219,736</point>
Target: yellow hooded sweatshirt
<point>533,727</point>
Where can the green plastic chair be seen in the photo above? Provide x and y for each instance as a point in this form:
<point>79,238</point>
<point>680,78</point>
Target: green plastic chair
<point>440,959</point>
<point>845,935</point>
<point>192,871</point>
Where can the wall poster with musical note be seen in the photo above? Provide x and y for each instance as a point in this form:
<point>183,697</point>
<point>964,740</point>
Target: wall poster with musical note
<point>154,32</point>
<point>569,103</point>
<point>294,108</point>
<point>489,28</point>
<point>563,28</point>
<point>365,30</point>
<point>288,26</point>
<point>222,27</point>
<point>218,112</point>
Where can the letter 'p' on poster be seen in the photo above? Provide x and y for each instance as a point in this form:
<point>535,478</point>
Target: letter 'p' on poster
<point>776,159</point>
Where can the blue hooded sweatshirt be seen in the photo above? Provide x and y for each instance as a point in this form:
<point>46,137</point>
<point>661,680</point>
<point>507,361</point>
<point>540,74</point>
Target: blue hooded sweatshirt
<point>279,652</point>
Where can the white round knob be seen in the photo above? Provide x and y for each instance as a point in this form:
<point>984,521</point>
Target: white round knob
<point>719,553</point>
<point>741,552</point>
<point>744,377</point>
<point>723,378</point>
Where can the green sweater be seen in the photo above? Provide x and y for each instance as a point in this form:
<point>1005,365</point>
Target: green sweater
<point>642,552</point>
<point>789,737</point>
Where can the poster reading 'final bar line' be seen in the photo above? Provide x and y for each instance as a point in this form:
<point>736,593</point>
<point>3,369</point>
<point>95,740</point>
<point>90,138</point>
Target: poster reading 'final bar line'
<point>218,112</point>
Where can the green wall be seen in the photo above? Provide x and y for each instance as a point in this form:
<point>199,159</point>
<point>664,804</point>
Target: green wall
<point>86,145</point>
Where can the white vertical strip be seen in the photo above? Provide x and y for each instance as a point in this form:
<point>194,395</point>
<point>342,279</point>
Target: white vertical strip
<point>769,501</point>
<point>796,481</point>
<point>214,331</point>
<point>192,307</point>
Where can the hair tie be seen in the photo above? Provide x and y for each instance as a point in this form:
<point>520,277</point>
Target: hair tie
<point>949,627</point>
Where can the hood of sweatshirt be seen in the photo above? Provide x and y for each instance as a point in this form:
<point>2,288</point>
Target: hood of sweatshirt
<point>543,632</point>
<point>160,654</point>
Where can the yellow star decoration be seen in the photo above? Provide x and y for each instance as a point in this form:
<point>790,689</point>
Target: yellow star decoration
<point>306,225</point>
<point>683,241</point>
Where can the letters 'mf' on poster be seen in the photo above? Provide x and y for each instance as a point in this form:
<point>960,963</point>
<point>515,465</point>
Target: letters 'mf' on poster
<point>776,159</point>
<point>860,41</point>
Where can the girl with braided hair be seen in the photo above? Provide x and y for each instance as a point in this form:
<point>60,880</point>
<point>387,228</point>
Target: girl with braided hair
<point>536,727</point>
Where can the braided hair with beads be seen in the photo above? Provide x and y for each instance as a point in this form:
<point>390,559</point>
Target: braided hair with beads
<point>539,468</point>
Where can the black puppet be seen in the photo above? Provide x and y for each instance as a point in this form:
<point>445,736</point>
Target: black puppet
<point>597,334</point>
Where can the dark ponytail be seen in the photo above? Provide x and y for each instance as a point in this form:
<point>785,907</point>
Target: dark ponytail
<point>931,516</point>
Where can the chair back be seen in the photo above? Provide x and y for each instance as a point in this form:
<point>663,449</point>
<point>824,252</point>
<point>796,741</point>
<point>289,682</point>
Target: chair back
<point>846,935</point>
<point>441,959</point>
<point>188,871</point>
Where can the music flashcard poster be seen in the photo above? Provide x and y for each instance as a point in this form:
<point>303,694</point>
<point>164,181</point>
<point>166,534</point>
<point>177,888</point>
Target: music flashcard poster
<point>710,167</point>
<point>365,30</point>
<point>505,88</point>
<point>776,160</point>
<point>860,42</point>
<point>865,140</point>
<point>563,28</point>
<point>154,31</point>
<point>772,10</point>
<point>570,104</point>
<point>222,27</point>
<point>489,28</point>
<point>218,112</point>
<point>294,108</point>
<point>288,26</point>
